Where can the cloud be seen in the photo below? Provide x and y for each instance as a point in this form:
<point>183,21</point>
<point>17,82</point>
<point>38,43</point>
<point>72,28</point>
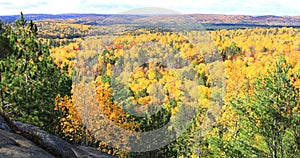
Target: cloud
<point>274,7</point>
<point>5,3</point>
<point>33,5</point>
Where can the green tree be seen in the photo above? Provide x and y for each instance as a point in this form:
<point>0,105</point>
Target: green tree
<point>5,46</point>
<point>231,50</point>
<point>269,113</point>
<point>30,80</point>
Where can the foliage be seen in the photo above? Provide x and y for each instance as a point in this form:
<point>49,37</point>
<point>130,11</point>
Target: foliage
<point>270,110</point>
<point>70,125</point>
<point>261,120</point>
<point>30,80</point>
<point>260,111</point>
<point>232,135</point>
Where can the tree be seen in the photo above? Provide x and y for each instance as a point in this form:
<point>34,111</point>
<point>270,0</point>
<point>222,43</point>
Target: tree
<point>271,111</point>
<point>29,79</point>
<point>5,46</point>
<point>231,50</point>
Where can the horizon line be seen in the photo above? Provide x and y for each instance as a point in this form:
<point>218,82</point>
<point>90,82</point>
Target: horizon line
<point>229,14</point>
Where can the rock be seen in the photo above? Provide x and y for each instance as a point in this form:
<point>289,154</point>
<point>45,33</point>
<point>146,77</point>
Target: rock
<point>3,125</point>
<point>94,153</point>
<point>33,142</point>
<point>16,146</point>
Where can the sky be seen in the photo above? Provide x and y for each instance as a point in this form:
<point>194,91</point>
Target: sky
<point>244,7</point>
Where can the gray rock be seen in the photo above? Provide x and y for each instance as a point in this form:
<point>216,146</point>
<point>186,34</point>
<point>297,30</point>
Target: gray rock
<point>33,142</point>
<point>91,152</point>
<point>3,124</point>
<point>16,146</point>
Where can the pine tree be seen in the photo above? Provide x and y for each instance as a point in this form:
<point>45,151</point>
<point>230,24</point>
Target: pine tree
<point>269,111</point>
<point>30,80</point>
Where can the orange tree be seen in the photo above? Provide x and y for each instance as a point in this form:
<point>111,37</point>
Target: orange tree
<point>143,85</point>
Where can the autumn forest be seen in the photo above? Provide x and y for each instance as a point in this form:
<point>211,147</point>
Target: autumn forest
<point>156,86</point>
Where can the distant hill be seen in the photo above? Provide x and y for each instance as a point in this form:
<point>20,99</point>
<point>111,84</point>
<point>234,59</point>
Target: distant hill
<point>12,18</point>
<point>247,19</point>
<point>212,19</point>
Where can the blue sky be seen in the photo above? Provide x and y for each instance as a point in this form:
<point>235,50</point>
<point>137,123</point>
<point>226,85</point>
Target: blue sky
<point>249,7</point>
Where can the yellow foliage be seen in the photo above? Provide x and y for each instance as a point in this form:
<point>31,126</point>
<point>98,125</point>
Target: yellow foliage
<point>70,124</point>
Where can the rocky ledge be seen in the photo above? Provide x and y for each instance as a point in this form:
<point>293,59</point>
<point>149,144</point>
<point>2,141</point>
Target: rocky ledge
<point>33,142</point>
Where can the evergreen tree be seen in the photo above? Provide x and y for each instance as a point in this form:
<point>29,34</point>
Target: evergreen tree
<point>29,79</point>
<point>269,111</point>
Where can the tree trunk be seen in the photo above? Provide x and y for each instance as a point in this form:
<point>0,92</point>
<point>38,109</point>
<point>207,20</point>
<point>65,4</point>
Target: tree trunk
<point>274,143</point>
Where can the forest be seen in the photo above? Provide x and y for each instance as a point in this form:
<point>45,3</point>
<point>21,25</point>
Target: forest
<point>143,90</point>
